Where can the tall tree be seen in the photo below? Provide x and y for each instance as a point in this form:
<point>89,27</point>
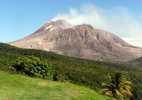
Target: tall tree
<point>118,86</point>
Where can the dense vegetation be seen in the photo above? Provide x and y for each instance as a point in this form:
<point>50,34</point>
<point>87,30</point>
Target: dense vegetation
<point>33,66</point>
<point>78,71</point>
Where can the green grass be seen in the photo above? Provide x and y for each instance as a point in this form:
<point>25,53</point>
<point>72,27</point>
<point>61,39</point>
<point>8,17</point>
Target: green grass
<point>16,87</point>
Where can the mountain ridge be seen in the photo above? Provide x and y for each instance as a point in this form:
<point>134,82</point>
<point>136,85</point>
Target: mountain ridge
<point>81,41</point>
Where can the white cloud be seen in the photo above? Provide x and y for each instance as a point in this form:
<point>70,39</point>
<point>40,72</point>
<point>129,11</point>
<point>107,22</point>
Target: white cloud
<point>119,21</point>
<point>137,41</point>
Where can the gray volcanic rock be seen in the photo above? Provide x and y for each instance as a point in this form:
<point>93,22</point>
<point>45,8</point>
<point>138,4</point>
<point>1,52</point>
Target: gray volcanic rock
<point>81,41</point>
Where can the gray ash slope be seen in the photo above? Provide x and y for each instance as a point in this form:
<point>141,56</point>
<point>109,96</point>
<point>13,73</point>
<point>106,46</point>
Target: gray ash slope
<point>82,41</point>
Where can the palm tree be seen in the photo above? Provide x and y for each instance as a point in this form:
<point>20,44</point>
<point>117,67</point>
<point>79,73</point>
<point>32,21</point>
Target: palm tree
<point>118,86</point>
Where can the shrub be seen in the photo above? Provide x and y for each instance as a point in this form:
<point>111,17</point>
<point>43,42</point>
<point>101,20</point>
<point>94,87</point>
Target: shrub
<point>33,66</point>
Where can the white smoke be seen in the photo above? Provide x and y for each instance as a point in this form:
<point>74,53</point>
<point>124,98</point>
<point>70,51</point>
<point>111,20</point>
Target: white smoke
<point>119,21</point>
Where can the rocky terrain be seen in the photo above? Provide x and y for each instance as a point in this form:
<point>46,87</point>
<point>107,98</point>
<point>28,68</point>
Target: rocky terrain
<point>82,41</point>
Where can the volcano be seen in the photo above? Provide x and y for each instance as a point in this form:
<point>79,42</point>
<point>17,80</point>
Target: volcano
<point>82,41</point>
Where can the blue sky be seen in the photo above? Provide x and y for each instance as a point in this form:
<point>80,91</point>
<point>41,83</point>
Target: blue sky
<point>20,18</point>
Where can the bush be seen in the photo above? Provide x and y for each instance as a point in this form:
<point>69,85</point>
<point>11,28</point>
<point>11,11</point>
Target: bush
<point>33,66</point>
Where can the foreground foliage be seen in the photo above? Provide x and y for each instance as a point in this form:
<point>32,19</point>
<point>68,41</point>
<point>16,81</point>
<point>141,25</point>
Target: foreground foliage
<point>82,72</point>
<point>33,66</point>
<point>118,87</point>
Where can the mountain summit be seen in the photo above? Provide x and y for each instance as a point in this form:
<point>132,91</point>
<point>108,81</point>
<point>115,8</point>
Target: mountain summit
<point>55,25</point>
<point>82,41</point>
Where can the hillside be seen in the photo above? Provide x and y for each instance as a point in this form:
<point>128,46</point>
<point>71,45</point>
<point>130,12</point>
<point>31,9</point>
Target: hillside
<point>82,72</point>
<point>137,62</point>
<point>82,41</point>
<point>15,87</point>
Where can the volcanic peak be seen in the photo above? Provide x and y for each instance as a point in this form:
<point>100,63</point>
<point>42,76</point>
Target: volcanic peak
<point>59,24</point>
<point>81,41</point>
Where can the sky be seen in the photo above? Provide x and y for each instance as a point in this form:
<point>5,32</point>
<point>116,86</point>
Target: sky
<point>20,18</point>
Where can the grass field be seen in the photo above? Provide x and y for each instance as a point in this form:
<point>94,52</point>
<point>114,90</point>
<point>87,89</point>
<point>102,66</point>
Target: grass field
<point>16,87</point>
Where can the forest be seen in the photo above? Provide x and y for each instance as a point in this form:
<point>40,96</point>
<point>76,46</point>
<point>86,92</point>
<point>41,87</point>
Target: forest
<point>82,72</point>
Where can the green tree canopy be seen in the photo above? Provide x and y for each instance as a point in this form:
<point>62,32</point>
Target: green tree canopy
<point>33,66</point>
